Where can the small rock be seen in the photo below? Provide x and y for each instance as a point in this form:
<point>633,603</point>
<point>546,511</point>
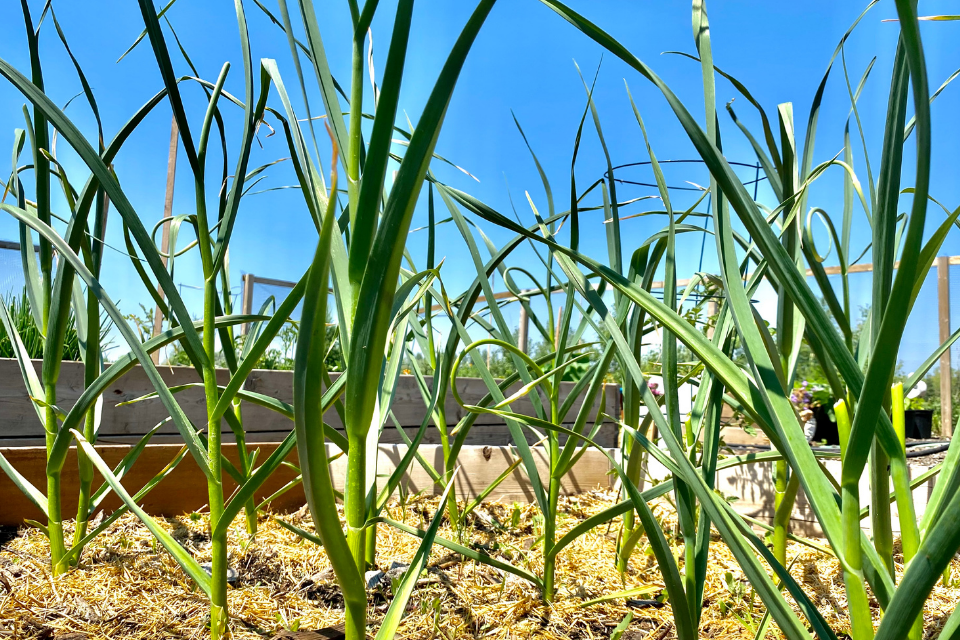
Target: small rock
<point>327,575</point>
<point>640,604</point>
<point>397,571</point>
<point>579,591</point>
<point>231,572</point>
<point>318,580</point>
<point>323,587</point>
<point>302,512</point>
<point>483,517</point>
<point>83,609</point>
<point>13,569</point>
<point>374,578</point>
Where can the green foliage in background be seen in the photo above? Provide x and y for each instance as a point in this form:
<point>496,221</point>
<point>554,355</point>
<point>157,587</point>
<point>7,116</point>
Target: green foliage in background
<point>274,359</point>
<point>33,340</point>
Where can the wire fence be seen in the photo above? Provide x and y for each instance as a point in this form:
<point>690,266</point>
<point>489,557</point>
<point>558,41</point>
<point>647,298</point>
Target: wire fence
<point>11,269</point>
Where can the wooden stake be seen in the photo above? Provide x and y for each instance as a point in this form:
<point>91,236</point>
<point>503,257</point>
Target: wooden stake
<point>946,371</point>
<point>524,329</point>
<point>556,334</point>
<point>167,212</point>
<point>246,305</point>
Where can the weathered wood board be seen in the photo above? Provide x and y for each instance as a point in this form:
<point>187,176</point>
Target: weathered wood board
<point>19,425</point>
<point>486,456</point>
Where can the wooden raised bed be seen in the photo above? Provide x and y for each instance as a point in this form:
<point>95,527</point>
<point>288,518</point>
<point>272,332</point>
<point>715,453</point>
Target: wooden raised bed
<point>484,458</point>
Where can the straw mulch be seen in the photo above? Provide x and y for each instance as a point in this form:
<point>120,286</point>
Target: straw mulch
<point>128,587</point>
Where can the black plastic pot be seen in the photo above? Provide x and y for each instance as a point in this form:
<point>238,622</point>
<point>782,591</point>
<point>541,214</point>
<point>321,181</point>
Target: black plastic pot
<point>918,423</point>
<point>826,428</point>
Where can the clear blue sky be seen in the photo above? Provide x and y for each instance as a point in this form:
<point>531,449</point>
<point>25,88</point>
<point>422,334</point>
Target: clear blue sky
<point>523,61</point>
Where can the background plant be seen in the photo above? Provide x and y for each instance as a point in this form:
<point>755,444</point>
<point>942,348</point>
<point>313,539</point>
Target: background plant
<point>21,315</point>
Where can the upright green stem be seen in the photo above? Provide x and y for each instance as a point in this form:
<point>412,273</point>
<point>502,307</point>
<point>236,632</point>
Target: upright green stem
<point>219,618</point>
<point>92,368</point>
<point>634,453</point>
<point>900,473</point>
<point>449,462</point>
<point>54,518</point>
<point>453,509</point>
<point>250,512</point>
<point>85,467</point>
<point>355,138</point>
<point>354,499</point>
<point>355,491</point>
<point>789,319</point>
<point>880,519</point>
<point>861,621</point>
<point>250,506</point>
<point>628,541</point>
<point>355,620</point>
<point>781,520</point>
<point>40,141</point>
<point>218,543</point>
<point>42,171</point>
<point>370,546</point>
<point>549,538</point>
<point>690,563</point>
<point>909,532</point>
<point>354,507</point>
<point>91,371</point>
<point>550,516</point>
